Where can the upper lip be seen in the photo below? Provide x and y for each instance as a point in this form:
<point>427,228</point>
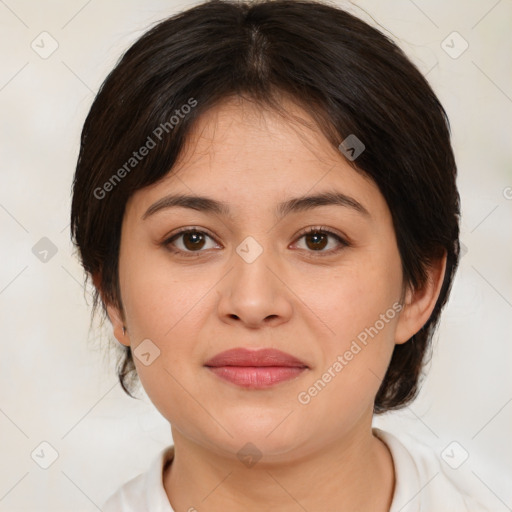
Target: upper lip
<point>260,357</point>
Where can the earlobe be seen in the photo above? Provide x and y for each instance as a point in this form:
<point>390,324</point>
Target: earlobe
<point>114,315</point>
<point>419,303</point>
<point>118,325</point>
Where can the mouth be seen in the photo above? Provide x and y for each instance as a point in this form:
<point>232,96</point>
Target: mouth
<point>255,369</point>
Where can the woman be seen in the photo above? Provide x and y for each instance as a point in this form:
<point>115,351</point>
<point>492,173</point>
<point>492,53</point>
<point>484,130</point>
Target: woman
<point>265,200</point>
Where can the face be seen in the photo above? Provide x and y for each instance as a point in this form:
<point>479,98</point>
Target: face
<point>198,281</point>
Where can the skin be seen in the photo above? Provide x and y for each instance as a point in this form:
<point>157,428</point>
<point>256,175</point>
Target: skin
<point>296,296</point>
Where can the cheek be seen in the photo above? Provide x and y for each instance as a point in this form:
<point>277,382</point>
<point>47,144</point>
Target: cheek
<point>361,308</point>
<point>160,299</point>
<point>354,300</point>
<point>166,306</point>
<point>354,360</point>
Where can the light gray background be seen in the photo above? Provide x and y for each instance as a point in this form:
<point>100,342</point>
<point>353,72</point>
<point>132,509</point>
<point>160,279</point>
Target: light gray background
<point>56,384</point>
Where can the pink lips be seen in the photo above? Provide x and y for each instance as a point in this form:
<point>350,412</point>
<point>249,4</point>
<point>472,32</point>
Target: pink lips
<point>255,368</point>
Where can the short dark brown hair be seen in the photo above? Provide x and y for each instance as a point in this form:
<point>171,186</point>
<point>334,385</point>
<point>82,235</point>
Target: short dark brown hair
<point>348,76</point>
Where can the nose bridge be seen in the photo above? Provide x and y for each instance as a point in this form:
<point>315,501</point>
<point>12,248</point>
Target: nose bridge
<point>252,292</point>
<point>251,274</point>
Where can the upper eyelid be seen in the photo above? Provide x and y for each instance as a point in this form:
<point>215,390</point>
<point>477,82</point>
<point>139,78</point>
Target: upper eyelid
<point>188,230</point>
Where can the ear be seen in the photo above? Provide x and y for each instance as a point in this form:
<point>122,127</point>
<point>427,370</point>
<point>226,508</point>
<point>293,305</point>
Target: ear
<point>115,316</point>
<point>420,303</point>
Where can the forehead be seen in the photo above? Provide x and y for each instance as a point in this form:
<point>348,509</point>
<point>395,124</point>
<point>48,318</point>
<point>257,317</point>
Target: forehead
<point>238,133</point>
<point>250,156</point>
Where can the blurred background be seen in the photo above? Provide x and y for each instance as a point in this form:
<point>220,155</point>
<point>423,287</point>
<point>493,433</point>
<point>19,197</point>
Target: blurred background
<point>69,436</point>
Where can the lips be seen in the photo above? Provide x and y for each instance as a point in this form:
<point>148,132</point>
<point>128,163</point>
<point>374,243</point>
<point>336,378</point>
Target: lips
<point>255,368</point>
<point>262,357</point>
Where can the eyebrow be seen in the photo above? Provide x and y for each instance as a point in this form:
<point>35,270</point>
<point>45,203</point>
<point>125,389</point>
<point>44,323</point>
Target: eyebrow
<point>294,205</point>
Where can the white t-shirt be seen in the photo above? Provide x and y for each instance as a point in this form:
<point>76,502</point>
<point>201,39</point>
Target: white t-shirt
<point>423,484</point>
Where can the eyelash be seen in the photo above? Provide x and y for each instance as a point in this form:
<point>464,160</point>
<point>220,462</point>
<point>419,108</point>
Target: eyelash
<point>314,254</point>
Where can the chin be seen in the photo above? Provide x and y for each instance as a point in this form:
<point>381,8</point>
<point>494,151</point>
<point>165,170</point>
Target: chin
<point>271,437</point>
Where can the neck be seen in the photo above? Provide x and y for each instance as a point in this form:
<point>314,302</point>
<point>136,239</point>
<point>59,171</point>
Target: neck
<point>355,473</point>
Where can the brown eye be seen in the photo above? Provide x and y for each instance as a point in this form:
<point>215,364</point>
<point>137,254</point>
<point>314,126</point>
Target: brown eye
<point>193,240</point>
<point>316,241</point>
<point>189,241</point>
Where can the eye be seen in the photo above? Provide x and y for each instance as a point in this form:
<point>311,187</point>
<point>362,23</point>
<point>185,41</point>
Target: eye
<point>188,240</point>
<point>316,239</point>
<point>191,240</point>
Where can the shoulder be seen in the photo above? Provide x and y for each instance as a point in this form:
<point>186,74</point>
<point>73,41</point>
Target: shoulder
<point>145,491</point>
<point>425,482</point>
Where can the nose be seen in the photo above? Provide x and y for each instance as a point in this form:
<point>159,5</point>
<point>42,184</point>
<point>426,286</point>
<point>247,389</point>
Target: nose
<point>254,293</point>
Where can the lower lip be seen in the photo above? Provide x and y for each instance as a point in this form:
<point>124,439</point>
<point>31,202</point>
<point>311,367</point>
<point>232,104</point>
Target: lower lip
<point>256,377</point>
